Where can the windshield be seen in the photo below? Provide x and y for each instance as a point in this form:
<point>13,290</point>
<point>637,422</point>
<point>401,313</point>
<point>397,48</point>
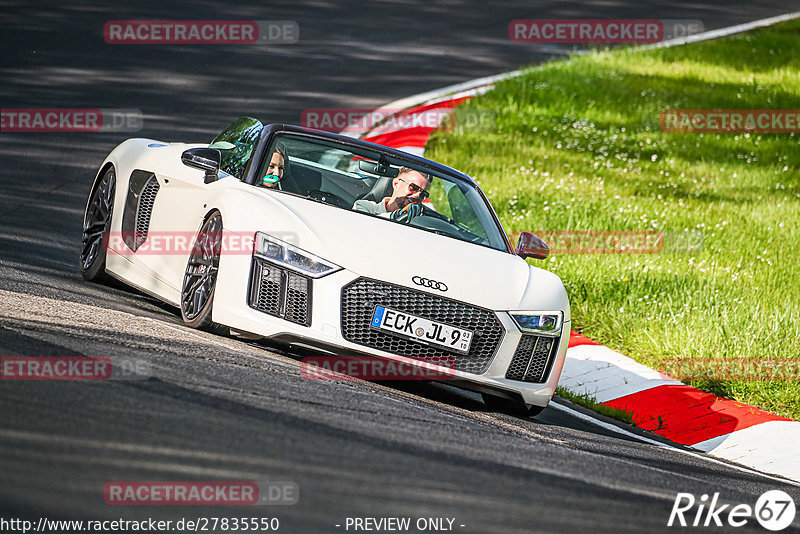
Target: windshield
<point>236,144</point>
<point>377,185</point>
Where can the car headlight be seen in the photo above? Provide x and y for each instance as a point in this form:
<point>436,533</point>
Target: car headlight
<point>547,323</point>
<point>292,257</point>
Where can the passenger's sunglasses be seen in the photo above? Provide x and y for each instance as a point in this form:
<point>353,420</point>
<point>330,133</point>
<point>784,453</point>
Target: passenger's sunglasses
<point>414,188</point>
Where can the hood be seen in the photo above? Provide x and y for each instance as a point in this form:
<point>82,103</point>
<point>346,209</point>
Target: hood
<point>378,248</point>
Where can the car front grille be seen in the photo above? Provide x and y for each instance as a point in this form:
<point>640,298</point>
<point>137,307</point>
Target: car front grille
<point>533,359</point>
<point>360,297</point>
<point>280,292</point>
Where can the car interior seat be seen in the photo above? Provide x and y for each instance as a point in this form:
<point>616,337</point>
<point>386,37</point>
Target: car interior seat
<point>300,180</point>
<point>381,189</point>
<point>305,179</point>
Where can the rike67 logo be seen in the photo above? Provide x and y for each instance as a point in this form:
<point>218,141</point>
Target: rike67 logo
<point>774,510</point>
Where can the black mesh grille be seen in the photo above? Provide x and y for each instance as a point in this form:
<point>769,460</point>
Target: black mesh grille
<point>532,359</point>
<point>266,288</point>
<point>297,296</point>
<point>360,297</point>
<point>145,209</point>
<point>280,292</point>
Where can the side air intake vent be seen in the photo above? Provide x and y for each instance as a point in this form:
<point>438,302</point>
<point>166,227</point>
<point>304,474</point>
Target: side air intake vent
<point>280,292</point>
<point>142,190</point>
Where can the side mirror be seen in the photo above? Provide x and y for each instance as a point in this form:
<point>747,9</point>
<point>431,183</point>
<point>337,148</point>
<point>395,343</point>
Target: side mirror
<point>205,159</point>
<point>531,246</point>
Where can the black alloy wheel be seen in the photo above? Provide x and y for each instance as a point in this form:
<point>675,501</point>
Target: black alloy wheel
<point>96,225</point>
<point>197,294</point>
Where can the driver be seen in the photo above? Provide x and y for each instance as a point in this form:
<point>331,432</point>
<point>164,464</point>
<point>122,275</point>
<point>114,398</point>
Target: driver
<point>409,189</point>
<point>275,169</point>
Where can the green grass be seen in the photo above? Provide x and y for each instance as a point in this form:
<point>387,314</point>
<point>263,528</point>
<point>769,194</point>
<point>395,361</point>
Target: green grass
<point>590,402</point>
<point>577,146</point>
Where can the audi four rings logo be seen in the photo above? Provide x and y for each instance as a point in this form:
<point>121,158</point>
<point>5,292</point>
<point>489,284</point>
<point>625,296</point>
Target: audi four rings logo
<point>433,284</point>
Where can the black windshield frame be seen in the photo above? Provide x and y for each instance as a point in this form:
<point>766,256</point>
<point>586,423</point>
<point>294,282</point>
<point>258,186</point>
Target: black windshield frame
<point>269,131</point>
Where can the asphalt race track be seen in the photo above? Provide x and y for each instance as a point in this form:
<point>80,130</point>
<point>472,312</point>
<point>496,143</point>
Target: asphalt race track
<point>218,408</point>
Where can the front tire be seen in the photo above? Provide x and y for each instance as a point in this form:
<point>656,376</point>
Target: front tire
<point>200,279</point>
<point>96,225</point>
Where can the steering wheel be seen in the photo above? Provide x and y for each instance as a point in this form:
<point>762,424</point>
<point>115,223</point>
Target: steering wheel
<point>430,212</point>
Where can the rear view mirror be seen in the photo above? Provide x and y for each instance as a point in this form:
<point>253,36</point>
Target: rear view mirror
<point>531,246</point>
<point>379,168</point>
<point>205,159</point>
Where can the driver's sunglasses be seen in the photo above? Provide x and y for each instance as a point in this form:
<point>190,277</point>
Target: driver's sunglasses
<point>423,194</point>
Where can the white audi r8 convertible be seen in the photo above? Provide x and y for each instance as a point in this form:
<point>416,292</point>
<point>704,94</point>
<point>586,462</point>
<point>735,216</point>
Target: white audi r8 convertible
<point>277,250</point>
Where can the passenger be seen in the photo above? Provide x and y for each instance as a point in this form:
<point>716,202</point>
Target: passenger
<point>275,169</point>
<point>409,189</point>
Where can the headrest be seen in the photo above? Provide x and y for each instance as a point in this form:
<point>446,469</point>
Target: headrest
<point>380,190</point>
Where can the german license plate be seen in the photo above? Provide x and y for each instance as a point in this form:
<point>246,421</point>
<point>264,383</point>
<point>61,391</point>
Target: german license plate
<point>421,329</point>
